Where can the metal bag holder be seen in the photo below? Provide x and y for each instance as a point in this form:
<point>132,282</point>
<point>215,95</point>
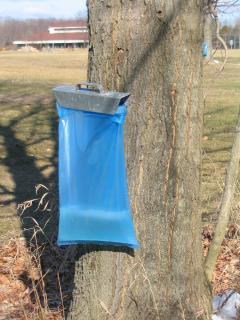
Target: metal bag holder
<point>88,96</point>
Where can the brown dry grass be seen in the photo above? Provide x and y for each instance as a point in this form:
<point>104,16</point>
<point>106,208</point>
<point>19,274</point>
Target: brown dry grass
<point>227,271</point>
<point>34,273</point>
<point>22,285</point>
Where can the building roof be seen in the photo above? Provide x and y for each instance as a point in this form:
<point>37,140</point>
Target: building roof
<point>68,24</point>
<point>46,36</point>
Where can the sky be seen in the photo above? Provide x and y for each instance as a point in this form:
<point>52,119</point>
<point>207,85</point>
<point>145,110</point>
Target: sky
<point>24,9</point>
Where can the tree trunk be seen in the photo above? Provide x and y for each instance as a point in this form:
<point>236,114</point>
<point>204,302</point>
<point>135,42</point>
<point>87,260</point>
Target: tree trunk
<point>153,50</point>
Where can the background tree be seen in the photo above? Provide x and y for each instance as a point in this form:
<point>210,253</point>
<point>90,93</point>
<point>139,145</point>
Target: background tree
<point>213,9</point>
<point>153,50</point>
<point>212,24</point>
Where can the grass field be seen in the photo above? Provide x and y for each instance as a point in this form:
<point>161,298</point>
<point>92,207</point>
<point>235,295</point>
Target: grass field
<point>221,110</point>
<point>28,125</point>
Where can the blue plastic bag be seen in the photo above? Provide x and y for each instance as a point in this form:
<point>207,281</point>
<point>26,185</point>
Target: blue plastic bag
<point>204,49</point>
<point>94,204</point>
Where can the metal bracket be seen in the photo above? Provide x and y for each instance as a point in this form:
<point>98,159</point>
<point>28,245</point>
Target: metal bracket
<point>92,86</point>
<point>92,98</point>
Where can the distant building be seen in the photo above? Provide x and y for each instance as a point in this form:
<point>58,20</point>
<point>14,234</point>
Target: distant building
<point>67,35</point>
<point>232,41</point>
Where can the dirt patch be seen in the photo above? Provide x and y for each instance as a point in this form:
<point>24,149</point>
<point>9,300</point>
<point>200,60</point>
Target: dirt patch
<point>22,295</point>
<point>227,271</point>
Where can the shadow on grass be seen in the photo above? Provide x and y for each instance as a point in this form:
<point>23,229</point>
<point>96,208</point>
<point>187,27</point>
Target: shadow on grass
<point>215,111</point>
<point>20,164</point>
<point>224,149</point>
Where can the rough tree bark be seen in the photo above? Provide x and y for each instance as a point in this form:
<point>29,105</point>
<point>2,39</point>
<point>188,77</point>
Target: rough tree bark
<point>152,49</point>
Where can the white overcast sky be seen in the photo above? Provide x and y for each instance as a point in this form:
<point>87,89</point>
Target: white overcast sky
<point>22,9</point>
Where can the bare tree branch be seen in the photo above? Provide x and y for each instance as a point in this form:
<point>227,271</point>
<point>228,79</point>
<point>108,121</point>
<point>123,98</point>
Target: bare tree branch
<point>223,44</point>
<point>223,219</point>
<point>213,10</point>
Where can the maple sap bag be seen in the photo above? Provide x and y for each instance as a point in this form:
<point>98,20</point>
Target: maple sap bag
<point>94,204</point>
